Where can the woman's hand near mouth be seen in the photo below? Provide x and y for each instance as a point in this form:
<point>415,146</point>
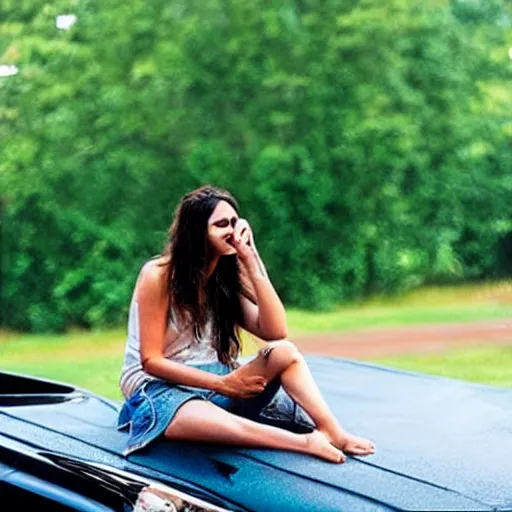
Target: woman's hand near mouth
<point>241,239</point>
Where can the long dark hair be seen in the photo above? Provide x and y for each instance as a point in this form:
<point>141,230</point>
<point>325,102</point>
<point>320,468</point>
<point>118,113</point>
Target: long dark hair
<point>193,297</point>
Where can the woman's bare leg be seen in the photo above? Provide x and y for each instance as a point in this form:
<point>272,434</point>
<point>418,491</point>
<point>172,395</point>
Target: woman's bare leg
<point>285,361</point>
<point>202,421</point>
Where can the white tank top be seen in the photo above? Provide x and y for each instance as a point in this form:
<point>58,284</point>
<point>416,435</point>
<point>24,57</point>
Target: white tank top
<point>184,349</point>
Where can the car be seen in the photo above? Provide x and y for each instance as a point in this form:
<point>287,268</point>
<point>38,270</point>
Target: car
<point>442,444</point>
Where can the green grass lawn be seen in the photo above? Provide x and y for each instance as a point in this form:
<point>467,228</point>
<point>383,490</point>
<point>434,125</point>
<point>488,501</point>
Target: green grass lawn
<point>88,360</point>
<point>304,322</point>
<point>434,304</point>
<point>486,365</point>
<point>93,359</point>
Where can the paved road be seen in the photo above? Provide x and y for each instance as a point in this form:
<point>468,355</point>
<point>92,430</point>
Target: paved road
<point>374,343</point>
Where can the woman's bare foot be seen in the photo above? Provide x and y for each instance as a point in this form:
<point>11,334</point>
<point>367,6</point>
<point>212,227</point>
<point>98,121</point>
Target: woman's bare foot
<point>349,443</point>
<point>356,445</point>
<point>318,444</point>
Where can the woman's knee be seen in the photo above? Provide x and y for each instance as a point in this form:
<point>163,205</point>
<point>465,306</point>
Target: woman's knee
<point>282,352</point>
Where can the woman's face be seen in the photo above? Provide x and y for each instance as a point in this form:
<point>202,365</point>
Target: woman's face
<point>221,226</point>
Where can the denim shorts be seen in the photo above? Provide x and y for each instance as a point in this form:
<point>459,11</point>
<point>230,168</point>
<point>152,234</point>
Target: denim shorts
<point>150,410</point>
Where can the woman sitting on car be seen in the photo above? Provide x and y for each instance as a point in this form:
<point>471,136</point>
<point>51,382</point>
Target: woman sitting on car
<point>181,378</point>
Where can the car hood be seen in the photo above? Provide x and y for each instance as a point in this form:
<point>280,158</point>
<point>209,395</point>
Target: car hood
<point>442,444</point>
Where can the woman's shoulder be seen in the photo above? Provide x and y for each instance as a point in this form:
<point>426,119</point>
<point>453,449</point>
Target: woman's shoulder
<point>157,265</point>
<point>153,273</point>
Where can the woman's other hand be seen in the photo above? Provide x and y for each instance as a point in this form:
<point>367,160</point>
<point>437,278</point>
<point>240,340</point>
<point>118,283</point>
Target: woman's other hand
<point>238,385</point>
<point>243,240</point>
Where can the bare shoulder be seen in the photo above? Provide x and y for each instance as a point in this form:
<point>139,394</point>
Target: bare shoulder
<point>153,277</point>
<point>156,267</point>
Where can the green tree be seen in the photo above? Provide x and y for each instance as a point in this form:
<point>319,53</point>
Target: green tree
<point>368,144</point>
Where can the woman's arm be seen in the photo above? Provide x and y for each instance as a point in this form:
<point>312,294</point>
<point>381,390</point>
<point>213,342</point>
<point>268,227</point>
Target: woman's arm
<point>153,302</point>
<point>267,318</point>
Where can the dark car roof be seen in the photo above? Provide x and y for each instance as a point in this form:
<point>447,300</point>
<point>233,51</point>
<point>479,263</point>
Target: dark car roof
<point>442,444</point>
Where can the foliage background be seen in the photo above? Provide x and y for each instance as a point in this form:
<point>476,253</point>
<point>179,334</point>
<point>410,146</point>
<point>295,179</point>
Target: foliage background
<point>368,143</point>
